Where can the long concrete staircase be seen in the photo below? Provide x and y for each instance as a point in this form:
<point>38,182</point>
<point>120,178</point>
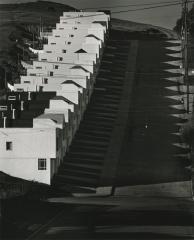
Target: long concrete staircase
<point>84,162</point>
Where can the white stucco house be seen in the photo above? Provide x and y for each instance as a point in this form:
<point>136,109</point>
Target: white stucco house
<point>39,119</point>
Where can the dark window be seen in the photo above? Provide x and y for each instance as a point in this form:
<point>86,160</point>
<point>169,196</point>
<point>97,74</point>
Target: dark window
<point>45,80</point>
<point>53,43</point>
<point>9,146</point>
<point>49,51</point>
<point>51,74</point>
<point>68,43</point>
<point>42,164</point>
<point>64,51</point>
<point>56,67</point>
<point>71,35</point>
<point>60,59</point>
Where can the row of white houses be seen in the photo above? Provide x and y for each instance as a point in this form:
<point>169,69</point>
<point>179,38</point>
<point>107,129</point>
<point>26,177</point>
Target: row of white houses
<point>41,116</point>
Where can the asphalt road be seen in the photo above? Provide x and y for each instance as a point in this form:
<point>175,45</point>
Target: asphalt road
<point>121,218</point>
<point>148,154</point>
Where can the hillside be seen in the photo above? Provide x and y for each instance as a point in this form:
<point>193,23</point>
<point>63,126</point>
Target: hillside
<point>144,29</point>
<point>19,21</point>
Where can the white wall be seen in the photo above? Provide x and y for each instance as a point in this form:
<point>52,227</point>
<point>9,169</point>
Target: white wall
<point>83,58</point>
<point>72,34</point>
<point>63,66</point>
<point>91,16</point>
<point>29,144</point>
<point>59,48</point>
<point>60,104</point>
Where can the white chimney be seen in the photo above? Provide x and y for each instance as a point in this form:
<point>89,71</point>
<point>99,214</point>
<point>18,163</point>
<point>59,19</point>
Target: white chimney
<point>29,97</point>
<point>13,113</point>
<point>4,122</point>
<point>22,105</point>
<point>11,106</point>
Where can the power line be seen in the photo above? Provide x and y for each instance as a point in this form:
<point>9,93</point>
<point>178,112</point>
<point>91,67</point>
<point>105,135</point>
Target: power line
<point>129,5</point>
<point>128,10</point>
<point>147,8</point>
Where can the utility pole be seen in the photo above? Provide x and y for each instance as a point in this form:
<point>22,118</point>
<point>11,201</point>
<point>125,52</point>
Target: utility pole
<point>40,33</point>
<point>185,52</point>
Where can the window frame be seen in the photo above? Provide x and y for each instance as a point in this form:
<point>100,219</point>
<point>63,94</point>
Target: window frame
<point>42,164</point>
<point>9,146</point>
<point>45,81</point>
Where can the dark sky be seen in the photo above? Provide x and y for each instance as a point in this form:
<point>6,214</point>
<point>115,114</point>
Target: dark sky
<point>165,17</point>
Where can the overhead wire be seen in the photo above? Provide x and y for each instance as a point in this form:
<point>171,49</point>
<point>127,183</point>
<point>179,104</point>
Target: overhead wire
<point>123,11</point>
<point>128,5</point>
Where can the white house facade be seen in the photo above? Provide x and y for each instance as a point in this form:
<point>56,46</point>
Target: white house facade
<point>39,119</point>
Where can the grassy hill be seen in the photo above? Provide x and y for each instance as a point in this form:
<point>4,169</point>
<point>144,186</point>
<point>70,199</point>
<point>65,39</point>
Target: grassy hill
<point>16,22</point>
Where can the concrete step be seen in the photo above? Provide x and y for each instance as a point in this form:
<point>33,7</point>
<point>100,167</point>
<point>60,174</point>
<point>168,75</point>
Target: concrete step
<point>83,148</point>
<point>78,173</point>
<point>86,160</point>
<point>78,181</point>
<point>79,166</point>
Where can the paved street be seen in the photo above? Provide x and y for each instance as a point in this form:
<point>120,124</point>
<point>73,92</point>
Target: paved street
<point>148,154</point>
<point>121,218</point>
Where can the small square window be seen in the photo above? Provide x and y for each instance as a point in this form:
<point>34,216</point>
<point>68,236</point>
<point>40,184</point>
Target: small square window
<point>51,74</point>
<point>42,164</point>
<point>56,67</point>
<point>45,81</point>
<point>9,146</point>
<point>68,43</point>
<point>60,59</point>
<point>64,51</point>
